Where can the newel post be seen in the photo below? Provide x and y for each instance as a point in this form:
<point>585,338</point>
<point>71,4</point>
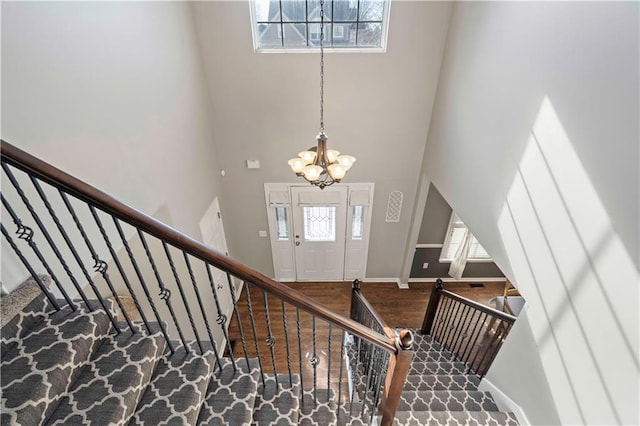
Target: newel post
<point>355,287</point>
<point>396,376</point>
<point>432,307</point>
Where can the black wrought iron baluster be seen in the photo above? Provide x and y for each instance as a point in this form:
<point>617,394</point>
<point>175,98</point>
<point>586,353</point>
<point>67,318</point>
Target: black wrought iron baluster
<point>468,333</point>
<point>136,268</point>
<point>370,388</point>
<point>300,354</point>
<point>453,323</point>
<point>221,320</point>
<point>367,386</point>
<point>183,296</point>
<point>340,376</point>
<point>99,266</point>
<point>461,332</point>
<point>382,369</point>
<point>286,341</point>
<point>165,293</point>
<point>27,265</point>
<point>253,328</point>
<point>314,361</point>
<point>329,365</point>
<point>491,347</point>
<point>45,233</point>
<point>479,331</point>
<point>369,366</point>
<point>125,279</point>
<point>506,328</point>
<point>271,339</point>
<point>202,311</point>
<point>445,320</point>
<point>26,233</point>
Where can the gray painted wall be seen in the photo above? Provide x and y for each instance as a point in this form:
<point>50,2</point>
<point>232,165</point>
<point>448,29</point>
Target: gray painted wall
<point>435,222</point>
<point>534,142</point>
<point>266,107</point>
<point>112,93</point>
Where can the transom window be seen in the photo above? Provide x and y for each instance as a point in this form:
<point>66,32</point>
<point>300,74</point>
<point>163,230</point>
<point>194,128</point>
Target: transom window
<point>295,24</point>
<point>453,239</point>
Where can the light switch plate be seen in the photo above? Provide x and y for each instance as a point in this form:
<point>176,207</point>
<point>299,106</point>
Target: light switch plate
<point>425,265</point>
<point>262,234</point>
<point>253,164</point>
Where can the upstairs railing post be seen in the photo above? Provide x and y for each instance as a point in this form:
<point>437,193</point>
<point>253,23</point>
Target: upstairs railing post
<point>355,287</point>
<point>399,365</point>
<point>432,307</point>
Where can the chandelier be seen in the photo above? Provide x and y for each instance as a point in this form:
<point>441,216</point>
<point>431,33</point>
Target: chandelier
<point>321,166</point>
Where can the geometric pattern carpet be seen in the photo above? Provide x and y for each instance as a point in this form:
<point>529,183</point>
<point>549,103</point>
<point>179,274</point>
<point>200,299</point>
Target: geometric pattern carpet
<point>71,368</point>
<point>437,391</point>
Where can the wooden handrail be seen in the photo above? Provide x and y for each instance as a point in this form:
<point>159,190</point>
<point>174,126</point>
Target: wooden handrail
<point>479,306</point>
<point>85,192</point>
<point>388,331</point>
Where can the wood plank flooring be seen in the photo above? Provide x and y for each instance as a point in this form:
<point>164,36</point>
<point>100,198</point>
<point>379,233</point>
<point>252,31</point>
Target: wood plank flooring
<point>292,351</point>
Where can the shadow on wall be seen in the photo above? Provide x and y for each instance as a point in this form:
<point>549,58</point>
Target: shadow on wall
<point>580,282</point>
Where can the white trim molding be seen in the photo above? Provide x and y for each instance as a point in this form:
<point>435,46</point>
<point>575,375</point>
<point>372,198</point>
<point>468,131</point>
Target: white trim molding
<point>503,402</point>
<point>461,280</point>
<point>386,280</point>
<point>429,246</point>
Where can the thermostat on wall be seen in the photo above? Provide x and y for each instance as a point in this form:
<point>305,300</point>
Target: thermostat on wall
<point>253,164</point>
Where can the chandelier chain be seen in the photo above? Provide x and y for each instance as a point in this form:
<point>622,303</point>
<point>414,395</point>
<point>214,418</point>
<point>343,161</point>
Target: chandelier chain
<point>322,65</point>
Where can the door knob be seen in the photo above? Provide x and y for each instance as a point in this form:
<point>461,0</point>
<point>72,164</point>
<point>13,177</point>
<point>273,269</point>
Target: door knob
<point>297,243</point>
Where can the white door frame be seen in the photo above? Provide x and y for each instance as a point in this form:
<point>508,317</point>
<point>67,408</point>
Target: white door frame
<point>278,198</point>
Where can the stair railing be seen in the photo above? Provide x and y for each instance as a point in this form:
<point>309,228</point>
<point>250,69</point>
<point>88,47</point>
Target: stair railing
<point>101,253</point>
<point>393,369</point>
<point>471,331</point>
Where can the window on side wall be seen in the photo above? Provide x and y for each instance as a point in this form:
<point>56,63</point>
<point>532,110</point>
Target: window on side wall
<point>453,239</point>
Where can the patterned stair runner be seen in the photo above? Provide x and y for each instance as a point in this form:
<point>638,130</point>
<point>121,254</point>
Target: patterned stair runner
<point>70,367</point>
<point>438,391</point>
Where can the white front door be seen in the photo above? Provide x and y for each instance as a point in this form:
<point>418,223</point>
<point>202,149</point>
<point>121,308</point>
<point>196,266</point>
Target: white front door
<point>319,225</point>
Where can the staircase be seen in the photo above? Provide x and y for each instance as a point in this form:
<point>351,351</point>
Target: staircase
<point>71,353</point>
<point>71,367</point>
<point>438,390</point>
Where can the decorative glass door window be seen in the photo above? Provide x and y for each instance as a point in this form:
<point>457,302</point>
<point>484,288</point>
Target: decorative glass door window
<point>357,223</point>
<point>319,223</point>
<point>282,227</point>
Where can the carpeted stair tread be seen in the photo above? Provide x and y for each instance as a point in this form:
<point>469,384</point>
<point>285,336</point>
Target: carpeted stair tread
<point>40,370</point>
<point>442,382</point>
<point>231,395</point>
<point>27,306</point>
<point>446,401</point>
<point>112,382</point>
<point>177,389</point>
<point>454,418</point>
<point>437,368</point>
<point>277,404</point>
<point>433,356</point>
<point>352,415</point>
<point>318,410</point>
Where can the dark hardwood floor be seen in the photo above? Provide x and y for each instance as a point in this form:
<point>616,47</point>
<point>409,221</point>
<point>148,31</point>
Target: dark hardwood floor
<point>403,308</point>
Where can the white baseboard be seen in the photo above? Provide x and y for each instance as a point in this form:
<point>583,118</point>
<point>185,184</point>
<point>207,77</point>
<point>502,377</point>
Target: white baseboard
<point>461,280</point>
<point>503,402</point>
<point>429,246</point>
<point>386,280</point>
